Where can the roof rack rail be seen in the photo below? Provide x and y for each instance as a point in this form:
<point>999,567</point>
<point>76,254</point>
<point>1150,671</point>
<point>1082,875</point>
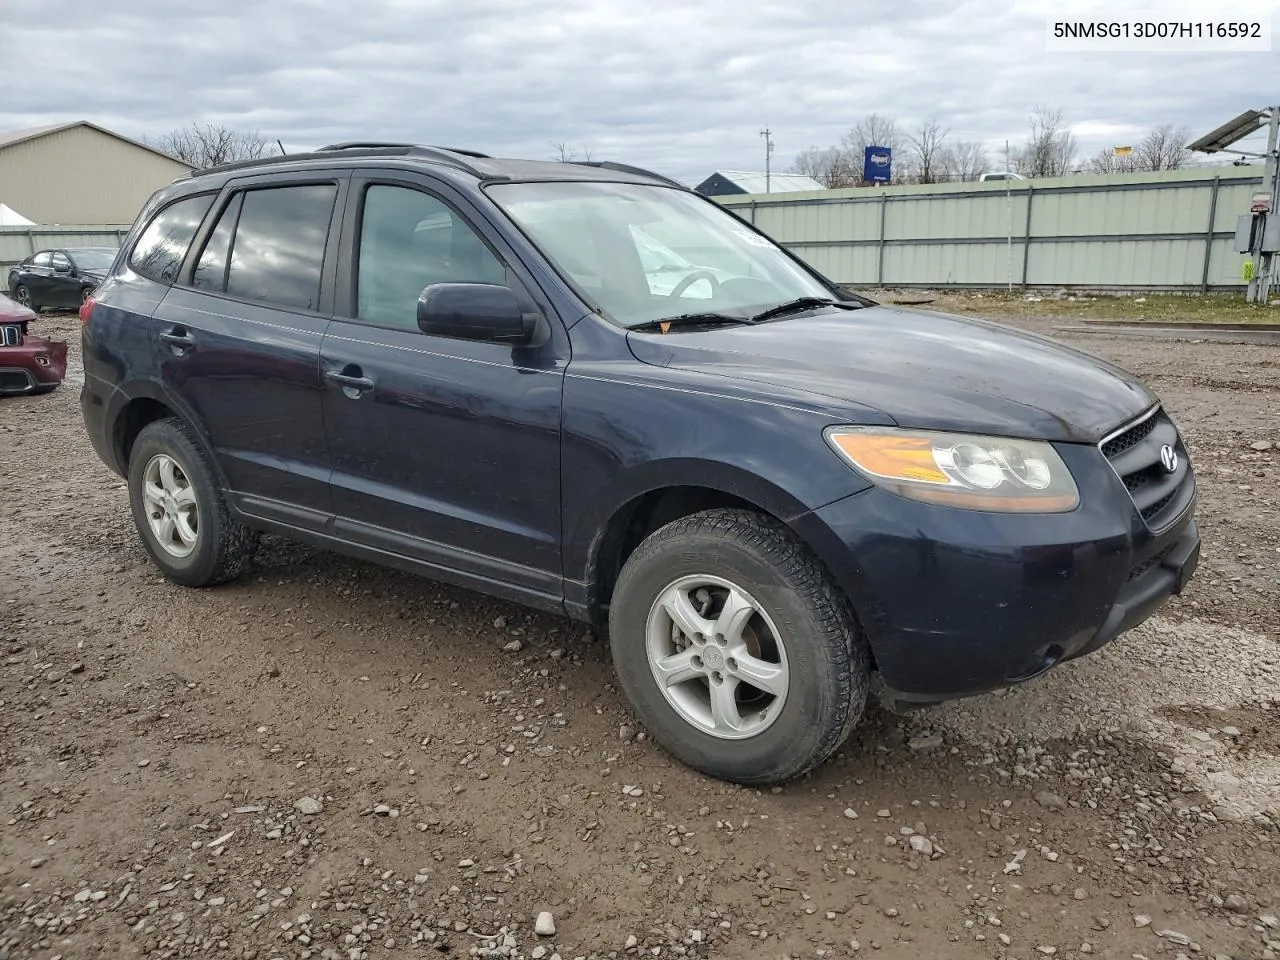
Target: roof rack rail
<point>454,158</point>
<point>628,168</point>
<point>373,144</point>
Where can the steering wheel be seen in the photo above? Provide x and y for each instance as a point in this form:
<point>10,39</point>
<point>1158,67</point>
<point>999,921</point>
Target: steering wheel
<point>693,278</point>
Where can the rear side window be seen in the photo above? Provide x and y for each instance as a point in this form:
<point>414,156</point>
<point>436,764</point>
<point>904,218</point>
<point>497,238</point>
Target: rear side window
<point>277,252</point>
<point>41,259</point>
<point>211,269</point>
<point>159,251</point>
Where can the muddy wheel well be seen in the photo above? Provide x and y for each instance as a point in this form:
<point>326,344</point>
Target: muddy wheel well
<point>132,420</point>
<point>632,524</point>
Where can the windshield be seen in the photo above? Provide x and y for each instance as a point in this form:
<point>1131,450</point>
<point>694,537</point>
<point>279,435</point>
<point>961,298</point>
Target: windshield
<point>93,259</point>
<point>643,253</point>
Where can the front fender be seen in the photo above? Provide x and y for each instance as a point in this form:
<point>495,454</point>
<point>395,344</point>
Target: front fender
<point>623,438</point>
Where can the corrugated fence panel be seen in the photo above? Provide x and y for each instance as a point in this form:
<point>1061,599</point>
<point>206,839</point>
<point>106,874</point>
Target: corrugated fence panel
<point>1126,231</point>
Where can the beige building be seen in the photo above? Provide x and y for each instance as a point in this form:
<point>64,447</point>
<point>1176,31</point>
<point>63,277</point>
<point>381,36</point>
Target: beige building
<point>80,173</point>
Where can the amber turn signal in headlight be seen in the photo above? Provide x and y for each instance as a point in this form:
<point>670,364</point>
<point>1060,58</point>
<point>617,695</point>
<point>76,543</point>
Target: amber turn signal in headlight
<point>960,470</point>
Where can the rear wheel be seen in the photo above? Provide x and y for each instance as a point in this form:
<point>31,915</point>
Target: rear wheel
<point>85,294</point>
<point>179,511</point>
<point>736,649</point>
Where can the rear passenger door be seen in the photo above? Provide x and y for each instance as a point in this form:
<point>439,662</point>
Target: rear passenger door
<point>238,339</point>
<point>38,278</point>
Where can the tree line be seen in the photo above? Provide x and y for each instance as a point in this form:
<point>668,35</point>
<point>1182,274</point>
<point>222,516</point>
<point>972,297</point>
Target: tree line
<point>928,153</point>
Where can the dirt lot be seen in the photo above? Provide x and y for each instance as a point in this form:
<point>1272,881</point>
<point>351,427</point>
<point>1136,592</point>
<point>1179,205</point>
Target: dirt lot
<point>327,759</point>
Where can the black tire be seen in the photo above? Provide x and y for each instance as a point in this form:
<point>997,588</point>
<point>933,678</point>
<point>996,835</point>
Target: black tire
<point>828,661</point>
<point>22,295</point>
<point>223,546</point>
<point>85,294</point>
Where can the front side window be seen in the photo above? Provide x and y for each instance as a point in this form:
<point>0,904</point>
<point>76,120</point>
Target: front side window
<point>159,252</point>
<point>642,252</point>
<point>60,261</point>
<point>408,241</point>
<point>277,254</point>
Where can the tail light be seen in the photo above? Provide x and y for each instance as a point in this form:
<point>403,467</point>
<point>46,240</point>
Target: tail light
<point>86,311</point>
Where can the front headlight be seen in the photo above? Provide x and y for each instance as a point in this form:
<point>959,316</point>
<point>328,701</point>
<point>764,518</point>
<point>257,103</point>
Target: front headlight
<point>960,469</point>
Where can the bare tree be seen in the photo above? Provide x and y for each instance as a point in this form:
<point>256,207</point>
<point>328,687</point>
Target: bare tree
<point>874,131</point>
<point>964,160</point>
<point>1164,148</point>
<point>925,153</point>
<point>830,166</point>
<point>1050,149</point>
<point>568,154</point>
<point>1108,161</point>
<point>209,144</point>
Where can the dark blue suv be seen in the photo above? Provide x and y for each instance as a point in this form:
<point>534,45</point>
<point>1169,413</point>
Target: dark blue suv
<point>585,388</point>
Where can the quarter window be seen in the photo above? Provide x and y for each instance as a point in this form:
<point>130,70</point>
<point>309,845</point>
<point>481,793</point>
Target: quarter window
<point>159,252</point>
<point>278,252</point>
<point>408,241</point>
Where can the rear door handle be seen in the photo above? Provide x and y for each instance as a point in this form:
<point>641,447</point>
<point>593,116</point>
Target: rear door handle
<point>353,384</point>
<point>178,338</point>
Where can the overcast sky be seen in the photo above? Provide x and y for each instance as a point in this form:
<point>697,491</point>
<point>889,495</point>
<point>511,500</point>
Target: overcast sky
<point>682,86</point>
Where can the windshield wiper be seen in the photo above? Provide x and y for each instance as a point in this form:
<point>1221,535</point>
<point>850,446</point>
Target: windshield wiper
<point>803,303</point>
<point>692,320</point>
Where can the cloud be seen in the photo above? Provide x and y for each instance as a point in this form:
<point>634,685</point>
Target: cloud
<point>683,87</point>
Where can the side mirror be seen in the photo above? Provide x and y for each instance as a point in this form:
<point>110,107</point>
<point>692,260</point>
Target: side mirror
<point>62,268</point>
<point>474,311</point>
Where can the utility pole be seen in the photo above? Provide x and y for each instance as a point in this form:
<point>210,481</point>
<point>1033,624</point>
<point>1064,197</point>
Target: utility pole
<point>1263,263</point>
<point>1008,211</point>
<point>768,155</point>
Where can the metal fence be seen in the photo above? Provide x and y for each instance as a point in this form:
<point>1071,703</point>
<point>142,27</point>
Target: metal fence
<point>18,243</point>
<point>1159,231</point>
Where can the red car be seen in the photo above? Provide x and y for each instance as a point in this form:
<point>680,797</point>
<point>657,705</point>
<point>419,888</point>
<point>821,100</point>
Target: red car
<point>28,363</point>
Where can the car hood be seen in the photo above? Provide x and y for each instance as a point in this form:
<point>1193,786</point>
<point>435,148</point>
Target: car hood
<point>13,312</point>
<point>923,370</point>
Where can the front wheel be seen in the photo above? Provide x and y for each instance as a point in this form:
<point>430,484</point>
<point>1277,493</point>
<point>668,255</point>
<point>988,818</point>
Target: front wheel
<point>179,511</point>
<point>22,295</point>
<point>736,649</point>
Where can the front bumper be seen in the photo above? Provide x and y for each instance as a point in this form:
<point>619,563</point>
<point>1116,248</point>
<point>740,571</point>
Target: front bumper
<point>36,364</point>
<point>957,602</point>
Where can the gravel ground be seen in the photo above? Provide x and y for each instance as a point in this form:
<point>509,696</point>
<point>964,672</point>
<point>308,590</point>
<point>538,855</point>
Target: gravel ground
<point>327,759</point>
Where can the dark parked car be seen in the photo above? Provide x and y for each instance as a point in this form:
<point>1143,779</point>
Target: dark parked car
<point>28,363</point>
<point>59,278</point>
<point>763,485</point>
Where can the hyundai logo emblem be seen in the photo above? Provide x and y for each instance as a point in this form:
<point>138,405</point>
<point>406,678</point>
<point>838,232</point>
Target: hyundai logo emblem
<point>1169,458</point>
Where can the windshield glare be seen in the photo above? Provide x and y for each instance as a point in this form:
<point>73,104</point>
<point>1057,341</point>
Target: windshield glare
<point>93,259</point>
<point>643,253</point>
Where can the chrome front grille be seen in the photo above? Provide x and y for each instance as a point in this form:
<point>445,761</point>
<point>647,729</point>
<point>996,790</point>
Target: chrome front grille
<point>1137,454</point>
<point>10,335</point>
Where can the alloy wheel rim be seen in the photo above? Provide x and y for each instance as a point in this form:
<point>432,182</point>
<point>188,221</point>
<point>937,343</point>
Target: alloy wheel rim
<point>173,514</point>
<point>717,657</point>
<point>24,297</point>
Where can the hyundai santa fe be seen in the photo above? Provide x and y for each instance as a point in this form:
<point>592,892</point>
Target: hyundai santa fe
<point>585,388</point>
